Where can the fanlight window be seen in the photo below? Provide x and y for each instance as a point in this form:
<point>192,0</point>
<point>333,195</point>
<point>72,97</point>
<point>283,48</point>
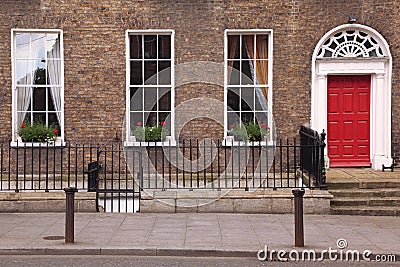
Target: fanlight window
<point>351,43</point>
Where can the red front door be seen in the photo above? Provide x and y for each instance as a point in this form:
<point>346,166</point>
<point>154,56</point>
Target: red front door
<point>349,120</point>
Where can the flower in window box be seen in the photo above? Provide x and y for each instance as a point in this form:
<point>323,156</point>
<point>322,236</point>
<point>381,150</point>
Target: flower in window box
<point>154,133</point>
<point>37,132</point>
<point>264,128</point>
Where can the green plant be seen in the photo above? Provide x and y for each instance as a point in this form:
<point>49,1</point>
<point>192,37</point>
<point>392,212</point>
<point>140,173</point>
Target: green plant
<point>37,132</point>
<point>150,133</point>
<point>249,131</point>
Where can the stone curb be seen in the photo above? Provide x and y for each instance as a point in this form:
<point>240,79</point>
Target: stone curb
<point>153,251</point>
<point>179,252</point>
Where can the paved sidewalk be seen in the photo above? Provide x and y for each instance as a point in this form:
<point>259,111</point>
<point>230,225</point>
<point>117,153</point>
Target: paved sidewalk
<point>192,234</point>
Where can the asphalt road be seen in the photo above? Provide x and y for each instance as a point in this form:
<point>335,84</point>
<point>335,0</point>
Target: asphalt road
<point>100,261</point>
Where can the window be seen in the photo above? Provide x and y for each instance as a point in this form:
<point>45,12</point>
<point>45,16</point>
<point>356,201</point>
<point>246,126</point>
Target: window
<point>351,43</point>
<point>150,68</point>
<point>37,78</point>
<point>248,77</point>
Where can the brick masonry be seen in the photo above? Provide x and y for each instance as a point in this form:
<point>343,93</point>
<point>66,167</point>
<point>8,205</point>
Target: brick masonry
<point>94,52</point>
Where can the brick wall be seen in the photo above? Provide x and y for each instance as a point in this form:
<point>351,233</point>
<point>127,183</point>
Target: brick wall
<point>94,51</point>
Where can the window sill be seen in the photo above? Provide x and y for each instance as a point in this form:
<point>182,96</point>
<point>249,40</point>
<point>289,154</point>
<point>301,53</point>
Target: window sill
<point>133,143</point>
<point>229,141</point>
<point>20,143</point>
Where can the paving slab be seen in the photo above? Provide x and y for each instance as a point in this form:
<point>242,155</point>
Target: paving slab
<point>193,234</point>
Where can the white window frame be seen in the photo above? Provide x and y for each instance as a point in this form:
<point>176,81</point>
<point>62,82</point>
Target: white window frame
<point>16,140</point>
<point>170,140</point>
<point>269,32</point>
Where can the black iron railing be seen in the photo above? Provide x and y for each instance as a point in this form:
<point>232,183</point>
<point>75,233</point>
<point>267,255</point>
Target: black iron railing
<point>45,167</point>
<point>189,164</point>
<point>312,156</point>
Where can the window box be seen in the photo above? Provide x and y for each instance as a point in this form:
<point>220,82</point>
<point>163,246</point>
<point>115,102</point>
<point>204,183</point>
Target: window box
<point>230,141</point>
<point>19,143</point>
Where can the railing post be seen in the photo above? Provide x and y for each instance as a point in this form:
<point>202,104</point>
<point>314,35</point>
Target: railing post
<point>69,214</point>
<point>298,217</point>
<point>323,185</point>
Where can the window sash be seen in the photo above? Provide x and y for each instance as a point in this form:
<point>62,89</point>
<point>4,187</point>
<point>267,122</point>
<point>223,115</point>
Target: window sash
<point>158,62</point>
<point>48,55</point>
<point>235,106</point>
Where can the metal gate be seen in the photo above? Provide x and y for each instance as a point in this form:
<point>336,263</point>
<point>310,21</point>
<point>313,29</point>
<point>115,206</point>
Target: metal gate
<point>116,185</point>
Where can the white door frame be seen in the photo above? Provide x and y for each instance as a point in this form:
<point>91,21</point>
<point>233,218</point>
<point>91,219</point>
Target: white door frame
<point>380,69</point>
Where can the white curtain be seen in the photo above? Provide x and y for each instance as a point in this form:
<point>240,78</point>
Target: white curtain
<point>259,93</point>
<point>54,72</point>
<point>24,100</point>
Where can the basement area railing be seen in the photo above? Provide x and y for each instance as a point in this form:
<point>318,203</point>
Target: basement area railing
<point>189,164</point>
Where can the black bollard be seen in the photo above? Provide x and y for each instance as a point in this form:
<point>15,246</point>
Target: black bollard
<point>298,218</point>
<point>69,214</point>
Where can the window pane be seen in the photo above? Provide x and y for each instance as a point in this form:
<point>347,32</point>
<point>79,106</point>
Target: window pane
<point>234,72</point>
<point>247,72</point>
<point>164,46</point>
<point>260,101</point>
<point>38,45</point>
<point>23,72</point>
<point>22,43</point>
<point>136,72</point>
<point>39,73</point>
<point>262,71</point>
<point>234,99</point>
<point>135,46</point>
<point>164,95</point>
<point>53,120</point>
<point>54,72</point>
<point>23,98</point>
<point>150,99</point>
<point>150,46</point>
<point>53,46</point>
<point>262,46</point>
<point>233,47</point>
<point>39,117</point>
<point>136,99</point>
<point>51,98</point>
<point>150,118</point>
<point>164,72</point>
<point>247,43</point>
<point>39,99</point>
<point>165,117</point>
<point>247,116</point>
<point>23,117</point>
<point>262,117</point>
<point>136,120</point>
<point>233,118</point>
<point>150,72</point>
<point>247,99</point>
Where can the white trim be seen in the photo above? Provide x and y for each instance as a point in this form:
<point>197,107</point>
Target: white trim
<point>381,67</point>
<point>269,32</point>
<point>19,143</point>
<point>129,141</point>
<point>13,84</point>
<point>228,143</point>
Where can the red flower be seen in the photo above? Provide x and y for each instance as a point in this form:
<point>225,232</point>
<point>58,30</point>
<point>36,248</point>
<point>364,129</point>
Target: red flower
<point>162,123</point>
<point>55,131</point>
<point>23,125</point>
<point>232,126</point>
<point>139,123</point>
